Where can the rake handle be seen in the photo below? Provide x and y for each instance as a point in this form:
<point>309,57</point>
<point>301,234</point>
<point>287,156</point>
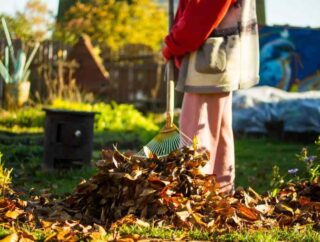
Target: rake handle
<point>170,75</point>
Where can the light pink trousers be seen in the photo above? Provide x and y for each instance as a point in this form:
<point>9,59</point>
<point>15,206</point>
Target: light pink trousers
<point>209,118</point>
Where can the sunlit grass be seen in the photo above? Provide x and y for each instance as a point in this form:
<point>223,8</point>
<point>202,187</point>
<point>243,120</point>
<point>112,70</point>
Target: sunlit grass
<point>272,235</point>
<point>255,158</point>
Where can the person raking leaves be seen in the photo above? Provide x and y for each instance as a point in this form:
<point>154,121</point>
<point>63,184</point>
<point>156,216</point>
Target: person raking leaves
<point>214,44</point>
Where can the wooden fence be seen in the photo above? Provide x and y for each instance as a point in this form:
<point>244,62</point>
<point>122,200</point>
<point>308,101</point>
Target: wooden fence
<point>135,72</point>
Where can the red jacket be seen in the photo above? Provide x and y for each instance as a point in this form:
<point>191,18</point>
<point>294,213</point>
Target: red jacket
<point>194,21</point>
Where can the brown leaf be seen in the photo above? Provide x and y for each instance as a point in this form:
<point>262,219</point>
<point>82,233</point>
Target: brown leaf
<point>247,213</point>
<point>155,180</point>
<point>26,236</point>
<point>147,192</point>
<point>14,214</point>
<point>224,208</point>
<point>66,235</point>
<point>11,238</point>
<point>264,208</point>
<point>284,209</point>
<point>46,224</point>
<point>285,220</point>
<point>162,210</point>
<point>127,239</point>
<point>50,237</point>
<point>254,194</point>
<point>86,187</point>
<point>97,237</point>
<point>197,218</point>
<point>183,215</point>
<point>134,175</point>
<point>304,201</point>
<point>107,154</point>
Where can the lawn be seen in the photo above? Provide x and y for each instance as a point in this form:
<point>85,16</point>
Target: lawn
<point>256,157</point>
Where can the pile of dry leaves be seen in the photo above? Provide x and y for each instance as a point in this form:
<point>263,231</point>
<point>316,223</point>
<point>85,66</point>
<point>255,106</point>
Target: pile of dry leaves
<point>173,191</point>
<point>24,224</point>
<point>169,191</point>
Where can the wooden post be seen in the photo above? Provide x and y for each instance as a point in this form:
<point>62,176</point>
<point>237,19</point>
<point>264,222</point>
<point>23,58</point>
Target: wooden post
<point>261,12</point>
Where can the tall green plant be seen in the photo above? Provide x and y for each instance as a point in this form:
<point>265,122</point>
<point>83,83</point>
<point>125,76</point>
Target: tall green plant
<point>21,62</point>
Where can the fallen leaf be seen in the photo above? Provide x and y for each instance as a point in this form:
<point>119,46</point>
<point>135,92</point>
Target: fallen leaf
<point>284,209</point>
<point>14,214</point>
<point>247,213</point>
<point>264,208</point>
<point>11,238</point>
<point>183,215</point>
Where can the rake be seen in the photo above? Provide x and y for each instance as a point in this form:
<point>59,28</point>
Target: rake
<point>170,138</point>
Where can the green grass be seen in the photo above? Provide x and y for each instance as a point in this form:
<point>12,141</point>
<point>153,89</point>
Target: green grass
<point>58,183</point>
<point>272,235</point>
<point>255,158</point>
<point>294,235</point>
<point>307,234</point>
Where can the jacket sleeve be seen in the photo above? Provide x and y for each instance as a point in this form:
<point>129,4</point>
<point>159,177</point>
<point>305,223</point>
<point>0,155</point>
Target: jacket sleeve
<point>198,20</point>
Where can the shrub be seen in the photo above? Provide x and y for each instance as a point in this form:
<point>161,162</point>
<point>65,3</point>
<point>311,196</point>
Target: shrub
<point>26,118</point>
<point>110,117</point>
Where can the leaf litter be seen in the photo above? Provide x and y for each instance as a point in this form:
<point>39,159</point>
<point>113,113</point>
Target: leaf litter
<point>169,192</point>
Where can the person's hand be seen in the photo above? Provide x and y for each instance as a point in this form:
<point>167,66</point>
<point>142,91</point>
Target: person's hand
<point>166,53</point>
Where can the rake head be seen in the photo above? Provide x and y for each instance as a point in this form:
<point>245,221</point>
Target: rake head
<point>168,140</point>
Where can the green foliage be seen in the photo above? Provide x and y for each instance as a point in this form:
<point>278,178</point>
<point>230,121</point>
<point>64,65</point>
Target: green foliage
<point>310,170</point>
<point>277,181</point>
<point>114,23</point>
<point>312,163</point>
<point>114,118</point>
<point>24,118</point>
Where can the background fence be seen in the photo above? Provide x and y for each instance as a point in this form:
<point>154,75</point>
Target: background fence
<point>135,73</point>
